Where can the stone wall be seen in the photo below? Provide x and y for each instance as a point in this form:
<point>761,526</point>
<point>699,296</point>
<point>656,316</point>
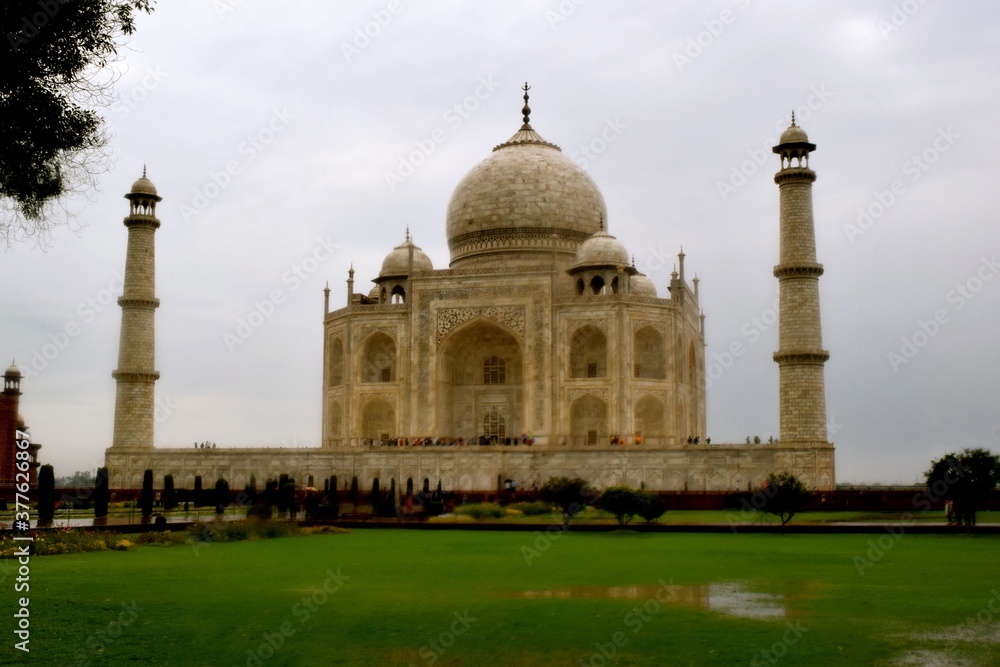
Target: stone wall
<point>476,468</point>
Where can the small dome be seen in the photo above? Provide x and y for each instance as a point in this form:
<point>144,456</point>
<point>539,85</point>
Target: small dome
<point>397,262</point>
<point>374,292</point>
<point>12,371</point>
<point>640,285</point>
<point>143,186</point>
<point>601,249</point>
<point>793,135</point>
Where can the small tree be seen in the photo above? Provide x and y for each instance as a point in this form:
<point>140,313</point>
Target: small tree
<point>221,495</point>
<point>967,478</point>
<point>197,490</point>
<point>169,493</point>
<point>622,501</point>
<point>146,497</point>
<point>102,494</point>
<point>569,494</point>
<point>653,508</point>
<point>375,497</point>
<point>46,494</point>
<point>783,495</point>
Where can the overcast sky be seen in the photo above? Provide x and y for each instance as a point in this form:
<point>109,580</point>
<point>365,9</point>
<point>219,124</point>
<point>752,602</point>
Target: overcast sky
<point>290,140</point>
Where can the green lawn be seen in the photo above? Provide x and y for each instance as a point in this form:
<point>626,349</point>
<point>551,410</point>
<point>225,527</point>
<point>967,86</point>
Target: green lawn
<point>472,598</point>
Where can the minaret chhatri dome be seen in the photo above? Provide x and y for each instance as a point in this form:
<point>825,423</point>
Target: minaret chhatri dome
<point>522,203</point>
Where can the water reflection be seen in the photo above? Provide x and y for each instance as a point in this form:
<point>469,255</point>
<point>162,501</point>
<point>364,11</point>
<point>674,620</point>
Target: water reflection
<point>730,598</point>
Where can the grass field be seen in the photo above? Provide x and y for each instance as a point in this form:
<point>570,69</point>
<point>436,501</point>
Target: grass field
<point>395,597</point>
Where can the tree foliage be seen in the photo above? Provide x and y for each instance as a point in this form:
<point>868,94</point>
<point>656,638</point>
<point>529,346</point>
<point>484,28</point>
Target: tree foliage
<point>783,495</point>
<point>967,478</point>
<point>623,501</point>
<point>570,494</point>
<point>54,78</point>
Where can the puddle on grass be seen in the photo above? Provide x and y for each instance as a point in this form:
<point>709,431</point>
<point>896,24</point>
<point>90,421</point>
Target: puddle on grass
<point>732,599</point>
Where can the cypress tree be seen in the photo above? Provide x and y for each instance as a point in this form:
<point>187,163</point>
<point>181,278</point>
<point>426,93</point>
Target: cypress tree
<point>146,497</point>
<point>102,494</point>
<point>197,491</point>
<point>46,494</point>
<point>221,495</point>
<point>169,494</point>
<point>376,496</point>
<point>355,493</point>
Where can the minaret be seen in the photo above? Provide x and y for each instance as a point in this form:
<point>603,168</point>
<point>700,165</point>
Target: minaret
<point>8,424</point>
<point>800,354</point>
<point>134,403</point>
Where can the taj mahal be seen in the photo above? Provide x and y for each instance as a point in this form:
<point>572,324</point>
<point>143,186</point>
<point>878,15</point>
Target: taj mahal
<point>540,350</point>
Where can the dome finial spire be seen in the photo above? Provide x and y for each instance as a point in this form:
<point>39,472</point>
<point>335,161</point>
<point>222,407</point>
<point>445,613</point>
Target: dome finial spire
<point>407,233</point>
<point>526,110</point>
<point>144,171</point>
<point>793,118</point>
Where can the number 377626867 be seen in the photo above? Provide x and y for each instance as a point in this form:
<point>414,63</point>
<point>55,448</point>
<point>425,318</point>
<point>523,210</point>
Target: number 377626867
<point>22,466</point>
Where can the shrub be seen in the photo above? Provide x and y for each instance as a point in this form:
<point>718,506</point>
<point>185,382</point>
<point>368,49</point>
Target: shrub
<point>481,510</point>
<point>122,545</point>
<point>535,508</point>
<point>259,512</point>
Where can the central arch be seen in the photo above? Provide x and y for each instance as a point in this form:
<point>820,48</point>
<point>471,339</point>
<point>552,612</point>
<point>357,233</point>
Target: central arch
<point>481,371</point>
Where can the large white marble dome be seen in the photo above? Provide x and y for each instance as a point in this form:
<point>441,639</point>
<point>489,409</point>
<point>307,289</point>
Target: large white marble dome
<point>524,201</point>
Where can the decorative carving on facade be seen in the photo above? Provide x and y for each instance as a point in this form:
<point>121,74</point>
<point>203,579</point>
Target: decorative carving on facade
<point>599,392</point>
<point>574,324</point>
<point>511,317</point>
<point>391,332</point>
<point>364,397</point>
<point>659,325</point>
